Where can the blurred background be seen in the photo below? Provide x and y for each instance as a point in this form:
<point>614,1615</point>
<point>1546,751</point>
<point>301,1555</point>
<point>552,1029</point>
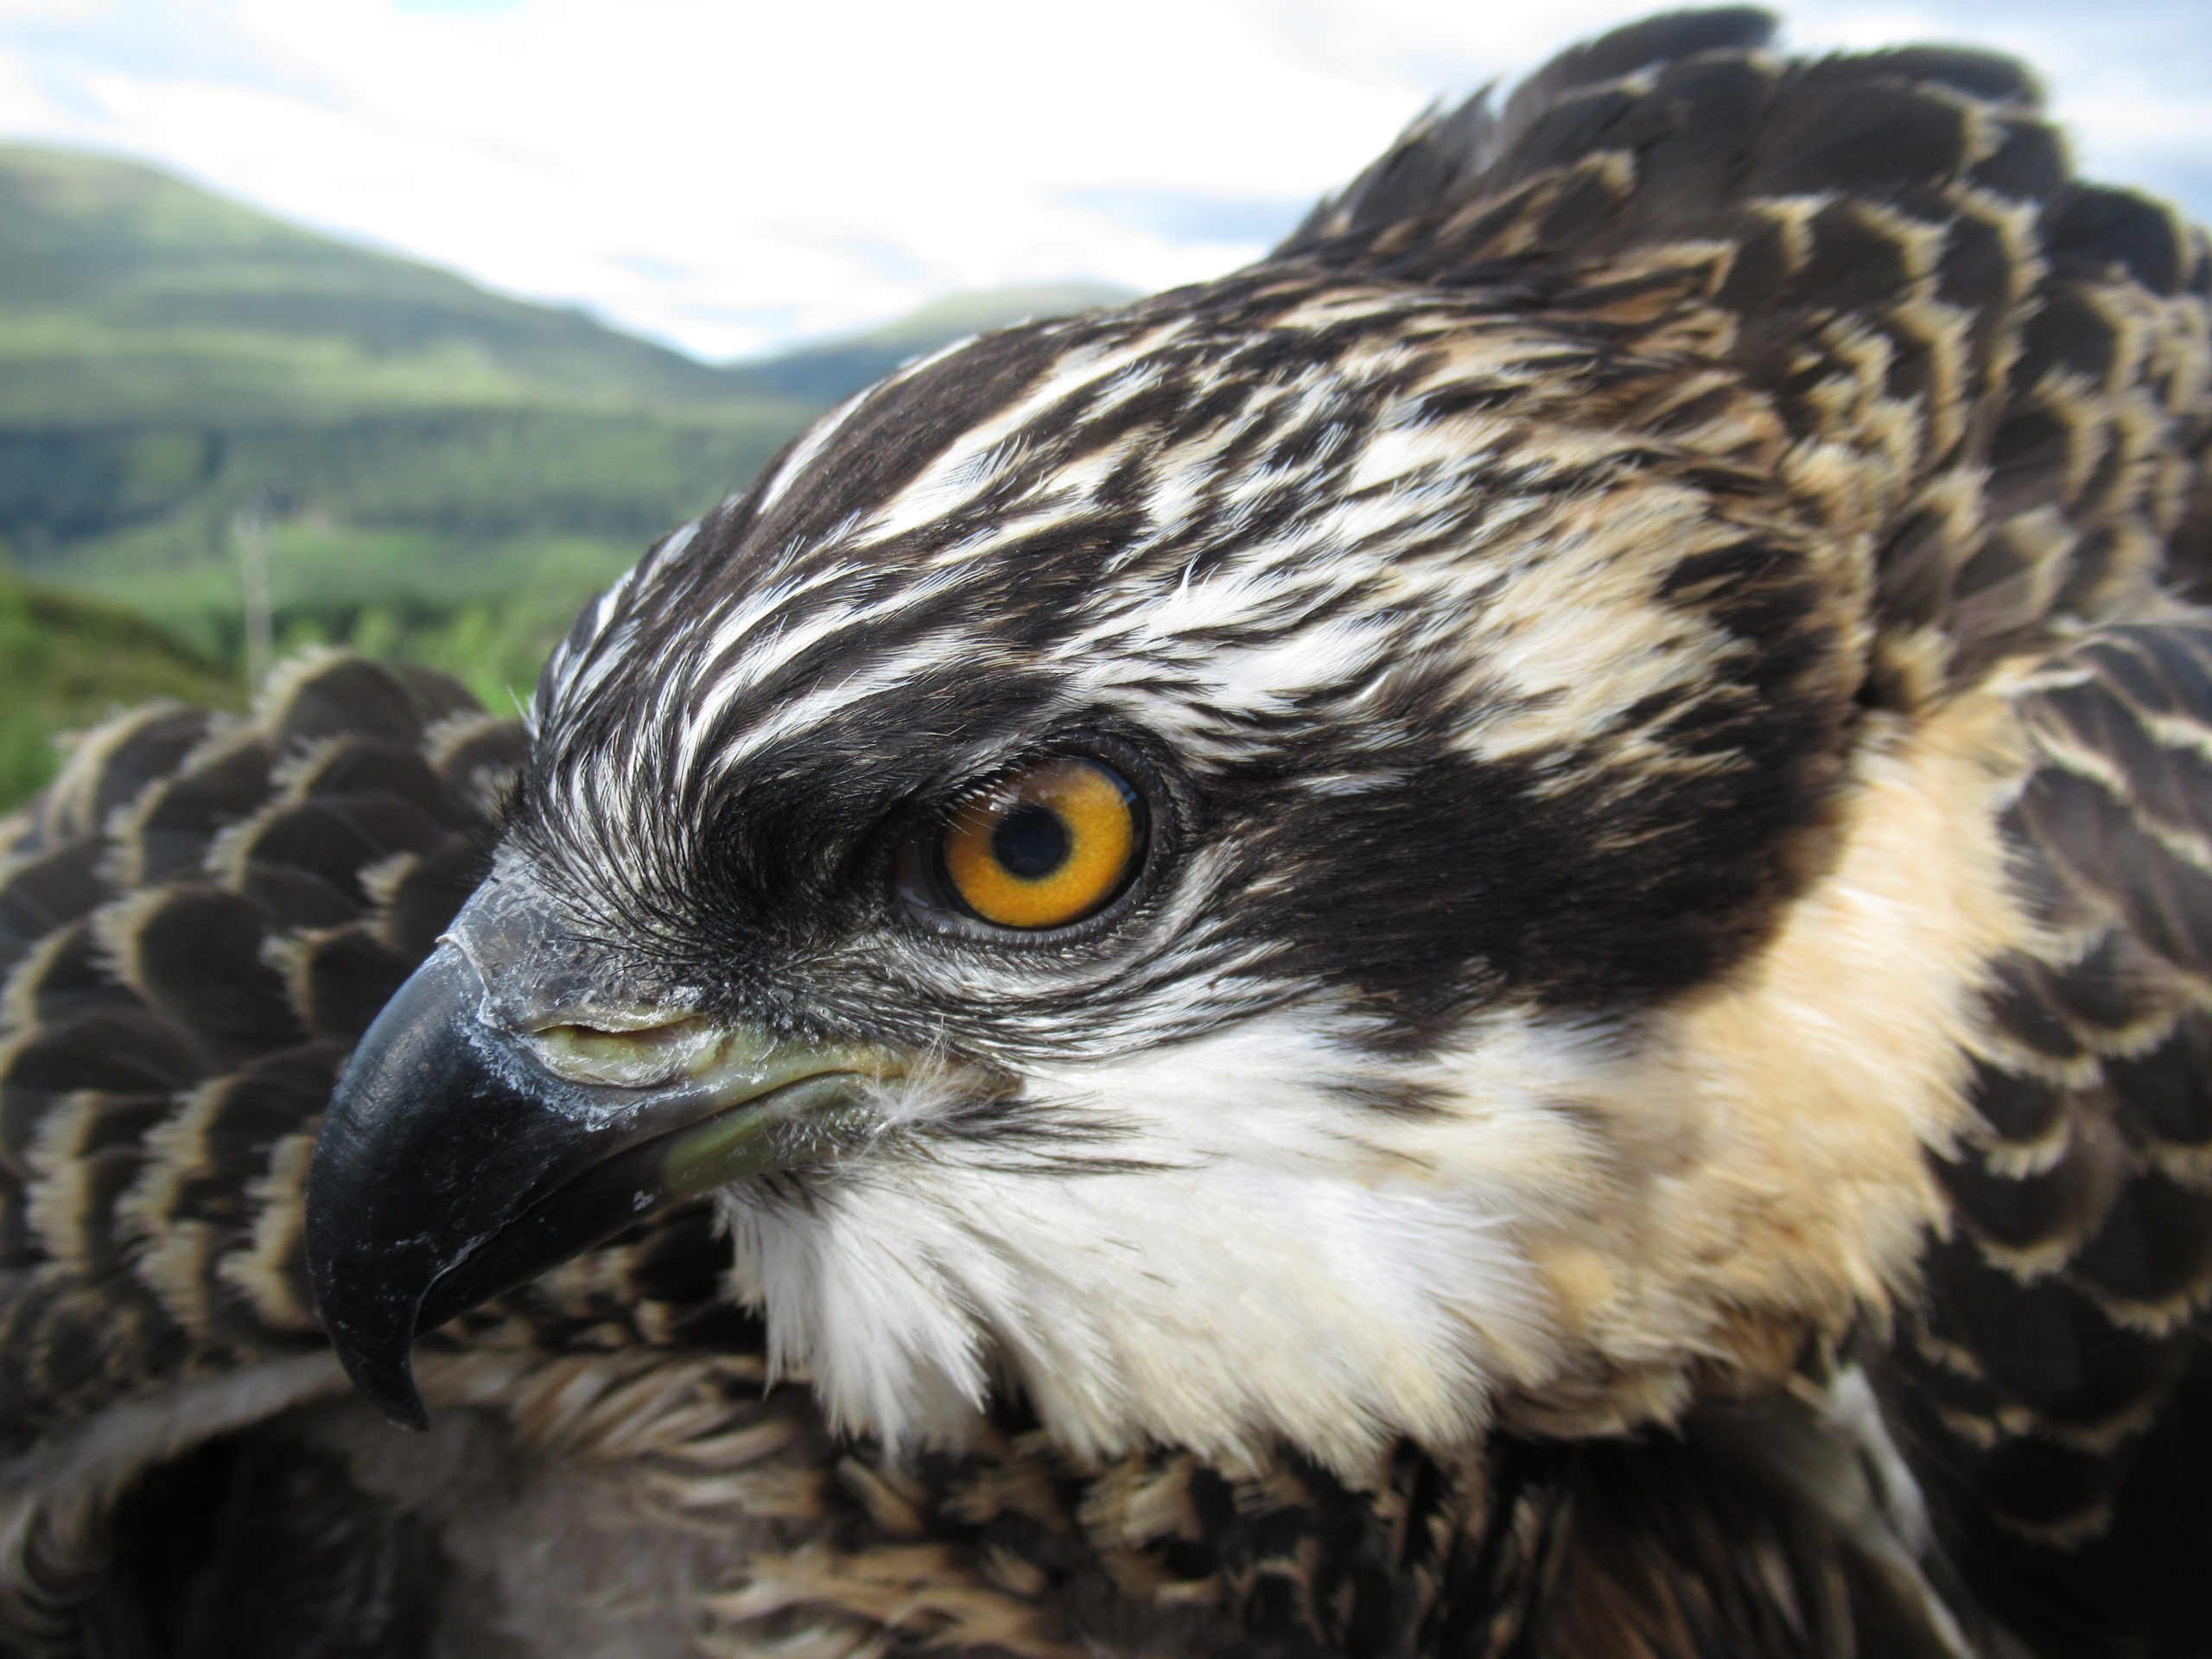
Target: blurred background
<point>408,323</point>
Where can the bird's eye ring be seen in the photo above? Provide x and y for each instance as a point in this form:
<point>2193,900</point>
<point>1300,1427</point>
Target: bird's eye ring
<point>1044,847</point>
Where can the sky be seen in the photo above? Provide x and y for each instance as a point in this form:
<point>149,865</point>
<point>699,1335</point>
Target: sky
<point>733,177</point>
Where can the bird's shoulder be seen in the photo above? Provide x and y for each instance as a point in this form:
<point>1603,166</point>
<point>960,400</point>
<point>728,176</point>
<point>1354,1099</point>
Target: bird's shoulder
<point>1989,371</point>
<point>2050,1385</point>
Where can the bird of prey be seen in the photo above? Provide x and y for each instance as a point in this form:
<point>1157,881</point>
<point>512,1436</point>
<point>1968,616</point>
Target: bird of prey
<point>1494,940</point>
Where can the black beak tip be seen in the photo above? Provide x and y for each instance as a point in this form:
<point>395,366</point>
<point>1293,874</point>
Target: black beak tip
<point>380,1363</point>
<point>391,1388</point>
<point>430,1155</point>
<point>373,1335</point>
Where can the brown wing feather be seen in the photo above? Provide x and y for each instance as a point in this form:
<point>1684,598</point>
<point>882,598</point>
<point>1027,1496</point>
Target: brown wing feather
<point>208,939</point>
<point>168,1009</point>
<point>196,920</point>
<point>2054,1391</point>
<point>1989,374</point>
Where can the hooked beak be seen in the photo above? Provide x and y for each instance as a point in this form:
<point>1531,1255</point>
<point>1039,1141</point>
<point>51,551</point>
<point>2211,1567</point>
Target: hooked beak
<point>483,1134</point>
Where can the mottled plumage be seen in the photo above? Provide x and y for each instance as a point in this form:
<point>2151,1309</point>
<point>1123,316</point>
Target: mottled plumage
<point>1643,1093</point>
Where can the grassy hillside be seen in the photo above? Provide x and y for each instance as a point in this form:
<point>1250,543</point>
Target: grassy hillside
<point>443,471</point>
<point>66,661</point>
<point>193,302</point>
<point>169,360</point>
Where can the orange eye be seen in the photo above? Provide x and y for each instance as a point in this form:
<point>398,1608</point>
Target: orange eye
<point>1046,847</point>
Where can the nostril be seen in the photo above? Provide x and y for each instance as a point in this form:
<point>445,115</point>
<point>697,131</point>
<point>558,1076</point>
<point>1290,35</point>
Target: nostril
<point>624,1055</point>
<point>577,1031</point>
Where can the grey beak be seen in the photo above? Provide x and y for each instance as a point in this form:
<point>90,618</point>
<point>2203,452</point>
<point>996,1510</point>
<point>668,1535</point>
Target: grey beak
<point>457,1162</point>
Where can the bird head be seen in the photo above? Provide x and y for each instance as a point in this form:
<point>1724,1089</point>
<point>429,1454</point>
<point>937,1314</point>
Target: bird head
<point>1219,868</point>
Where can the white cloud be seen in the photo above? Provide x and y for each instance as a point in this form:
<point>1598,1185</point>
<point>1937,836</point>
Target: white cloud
<point>730,175</point>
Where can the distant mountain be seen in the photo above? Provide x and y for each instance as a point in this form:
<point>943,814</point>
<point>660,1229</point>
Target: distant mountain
<point>169,360</point>
<point>185,301</point>
<point>125,292</point>
<point>824,373</point>
<point>437,470</point>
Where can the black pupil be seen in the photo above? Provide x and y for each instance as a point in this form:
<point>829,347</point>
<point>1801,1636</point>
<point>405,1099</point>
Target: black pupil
<point>1031,841</point>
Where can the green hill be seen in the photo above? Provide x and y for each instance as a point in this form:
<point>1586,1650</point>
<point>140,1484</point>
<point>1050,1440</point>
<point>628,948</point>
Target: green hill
<point>167,357</point>
<point>443,471</point>
<point>187,298</point>
<point>66,661</point>
<point>170,359</point>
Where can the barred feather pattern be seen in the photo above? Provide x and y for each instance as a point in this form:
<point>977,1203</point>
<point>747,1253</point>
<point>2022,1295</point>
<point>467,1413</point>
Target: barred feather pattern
<point>1992,371</point>
<point>1942,408</point>
<point>1857,406</point>
<point>2001,373</point>
<point>196,921</point>
<point>2054,1383</point>
<point>202,916</point>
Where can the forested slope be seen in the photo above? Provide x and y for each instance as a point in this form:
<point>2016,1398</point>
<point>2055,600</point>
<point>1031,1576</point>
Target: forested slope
<point>439,470</point>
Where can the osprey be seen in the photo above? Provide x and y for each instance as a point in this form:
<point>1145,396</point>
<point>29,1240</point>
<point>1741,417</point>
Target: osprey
<point>1493,940</point>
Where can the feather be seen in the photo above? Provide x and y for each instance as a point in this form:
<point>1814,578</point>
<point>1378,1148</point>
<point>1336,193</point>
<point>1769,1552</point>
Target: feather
<point>2052,1380</point>
<point>1544,607</point>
